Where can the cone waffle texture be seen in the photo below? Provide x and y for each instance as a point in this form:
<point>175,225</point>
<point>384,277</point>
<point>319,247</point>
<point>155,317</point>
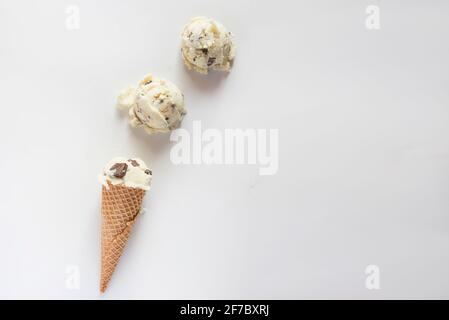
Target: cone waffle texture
<point>120,206</point>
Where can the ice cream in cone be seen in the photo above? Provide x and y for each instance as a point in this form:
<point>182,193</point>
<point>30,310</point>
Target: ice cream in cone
<point>125,182</point>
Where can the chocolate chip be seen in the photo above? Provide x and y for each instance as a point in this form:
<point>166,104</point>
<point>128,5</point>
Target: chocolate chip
<point>148,171</point>
<point>211,61</point>
<point>205,51</point>
<point>133,162</point>
<point>148,82</point>
<point>120,170</point>
<point>166,118</point>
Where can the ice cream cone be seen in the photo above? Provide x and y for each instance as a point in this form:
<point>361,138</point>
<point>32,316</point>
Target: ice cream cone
<point>120,207</point>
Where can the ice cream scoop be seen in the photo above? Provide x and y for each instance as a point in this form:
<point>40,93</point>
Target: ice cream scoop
<point>132,173</point>
<point>156,104</point>
<point>207,45</point>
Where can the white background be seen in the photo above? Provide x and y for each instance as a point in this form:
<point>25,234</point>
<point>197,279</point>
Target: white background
<point>363,179</point>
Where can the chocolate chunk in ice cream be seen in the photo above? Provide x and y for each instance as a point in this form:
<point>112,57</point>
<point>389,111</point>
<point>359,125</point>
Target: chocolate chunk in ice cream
<point>120,170</point>
<point>133,162</point>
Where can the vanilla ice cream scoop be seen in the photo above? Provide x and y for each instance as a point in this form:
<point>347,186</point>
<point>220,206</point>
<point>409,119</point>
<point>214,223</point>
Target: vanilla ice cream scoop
<point>157,105</point>
<point>207,45</point>
<point>132,173</point>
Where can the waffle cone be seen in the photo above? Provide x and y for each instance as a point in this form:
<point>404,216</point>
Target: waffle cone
<point>120,206</point>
